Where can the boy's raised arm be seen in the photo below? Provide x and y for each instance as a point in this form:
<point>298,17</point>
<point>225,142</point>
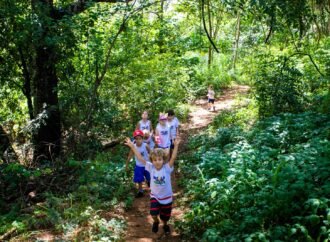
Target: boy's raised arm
<point>130,144</point>
<point>175,151</point>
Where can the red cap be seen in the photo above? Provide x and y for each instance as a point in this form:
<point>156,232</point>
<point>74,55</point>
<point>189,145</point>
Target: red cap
<point>138,133</point>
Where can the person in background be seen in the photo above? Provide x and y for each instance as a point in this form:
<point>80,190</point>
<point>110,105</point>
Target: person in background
<point>144,123</point>
<point>148,139</point>
<point>210,97</point>
<point>163,134</point>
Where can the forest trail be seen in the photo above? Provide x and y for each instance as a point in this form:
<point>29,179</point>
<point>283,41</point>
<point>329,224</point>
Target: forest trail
<point>138,219</point>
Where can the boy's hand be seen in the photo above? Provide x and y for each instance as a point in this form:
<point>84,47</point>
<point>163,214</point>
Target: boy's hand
<point>177,141</point>
<point>128,142</point>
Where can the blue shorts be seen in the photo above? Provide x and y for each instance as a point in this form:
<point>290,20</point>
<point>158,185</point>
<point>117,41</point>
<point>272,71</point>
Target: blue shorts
<point>140,173</point>
<point>211,100</point>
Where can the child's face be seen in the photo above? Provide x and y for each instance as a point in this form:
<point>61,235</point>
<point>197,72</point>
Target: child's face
<point>170,118</point>
<point>146,136</point>
<point>162,122</point>
<point>138,140</point>
<point>158,162</point>
<point>145,115</point>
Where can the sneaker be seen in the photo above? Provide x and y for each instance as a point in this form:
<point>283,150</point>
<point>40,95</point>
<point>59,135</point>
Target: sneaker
<point>167,230</point>
<point>139,194</point>
<point>155,227</point>
<point>213,108</point>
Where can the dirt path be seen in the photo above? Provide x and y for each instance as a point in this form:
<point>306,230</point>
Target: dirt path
<point>139,220</point>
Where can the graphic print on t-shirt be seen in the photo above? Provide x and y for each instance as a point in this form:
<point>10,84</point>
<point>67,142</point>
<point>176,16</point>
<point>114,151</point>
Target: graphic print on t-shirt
<point>163,132</point>
<point>159,180</point>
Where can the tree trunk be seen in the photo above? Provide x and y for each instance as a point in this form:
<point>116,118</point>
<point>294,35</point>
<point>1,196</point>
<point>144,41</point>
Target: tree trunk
<point>238,25</point>
<point>162,28</point>
<point>47,137</point>
<point>7,153</point>
<point>210,54</point>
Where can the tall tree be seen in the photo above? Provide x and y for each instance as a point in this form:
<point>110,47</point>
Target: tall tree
<point>38,65</point>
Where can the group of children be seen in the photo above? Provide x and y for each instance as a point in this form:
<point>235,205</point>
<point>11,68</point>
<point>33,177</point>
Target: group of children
<point>155,152</point>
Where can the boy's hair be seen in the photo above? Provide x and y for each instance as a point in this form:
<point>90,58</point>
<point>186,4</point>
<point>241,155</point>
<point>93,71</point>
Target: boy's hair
<point>170,112</point>
<point>146,132</point>
<point>157,152</point>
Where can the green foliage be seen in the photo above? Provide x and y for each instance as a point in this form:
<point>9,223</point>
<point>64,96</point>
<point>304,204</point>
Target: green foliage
<point>270,183</point>
<point>89,189</point>
<point>279,88</point>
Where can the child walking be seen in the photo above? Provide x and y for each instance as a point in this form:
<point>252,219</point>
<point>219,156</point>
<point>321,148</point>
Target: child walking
<point>140,174</point>
<point>210,96</point>
<point>144,123</point>
<point>161,195</point>
<point>163,134</point>
<point>148,139</point>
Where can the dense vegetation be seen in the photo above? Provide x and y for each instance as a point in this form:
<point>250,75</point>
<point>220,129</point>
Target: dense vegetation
<point>269,183</point>
<point>76,75</point>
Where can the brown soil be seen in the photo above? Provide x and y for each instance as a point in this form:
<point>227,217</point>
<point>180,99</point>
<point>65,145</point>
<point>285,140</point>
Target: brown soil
<point>138,219</point>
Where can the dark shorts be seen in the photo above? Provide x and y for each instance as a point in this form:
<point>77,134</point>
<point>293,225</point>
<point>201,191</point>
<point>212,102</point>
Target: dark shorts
<point>140,174</point>
<point>172,145</point>
<point>164,210</point>
<point>211,101</point>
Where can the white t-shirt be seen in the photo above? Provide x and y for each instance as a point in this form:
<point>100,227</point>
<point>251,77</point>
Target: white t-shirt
<point>160,183</point>
<point>145,125</point>
<point>210,94</point>
<point>174,124</point>
<point>144,153</point>
<point>164,136</point>
<point>150,142</point>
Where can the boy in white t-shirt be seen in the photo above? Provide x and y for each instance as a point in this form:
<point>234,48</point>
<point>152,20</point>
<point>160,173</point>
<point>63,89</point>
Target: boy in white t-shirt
<point>163,134</point>
<point>161,195</point>
<point>144,123</point>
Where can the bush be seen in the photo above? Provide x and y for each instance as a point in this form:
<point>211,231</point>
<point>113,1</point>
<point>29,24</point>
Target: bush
<point>270,183</point>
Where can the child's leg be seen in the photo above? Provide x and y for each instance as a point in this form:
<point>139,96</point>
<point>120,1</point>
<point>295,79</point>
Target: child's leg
<point>139,178</point>
<point>165,215</point>
<point>140,186</point>
<point>154,212</point>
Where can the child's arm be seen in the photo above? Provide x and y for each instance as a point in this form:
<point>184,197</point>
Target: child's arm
<point>175,151</point>
<point>129,157</point>
<point>130,144</point>
<point>148,148</point>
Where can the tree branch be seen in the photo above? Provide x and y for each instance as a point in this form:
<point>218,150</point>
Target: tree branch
<point>311,59</point>
<point>206,31</point>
